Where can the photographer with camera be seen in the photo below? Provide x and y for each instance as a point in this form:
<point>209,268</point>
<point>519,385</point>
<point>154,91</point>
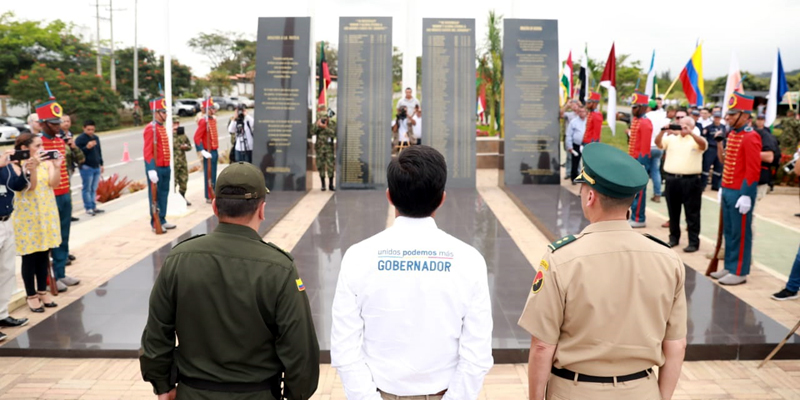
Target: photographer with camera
<point>400,127</point>
<point>92,169</point>
<point>242,128</point>
<point>683,170</point>
<point>36,221</point>
<point>324,148</point>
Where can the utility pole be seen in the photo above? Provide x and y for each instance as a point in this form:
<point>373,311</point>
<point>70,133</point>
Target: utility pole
<point>113,67</point>
<point>135,50</point>
<point>97,16</point>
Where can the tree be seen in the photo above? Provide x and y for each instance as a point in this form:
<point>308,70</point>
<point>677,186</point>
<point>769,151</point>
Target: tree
<point>84,96</point>
<point>397,67</point>
<point>151,73</point>
<point>219,81</point>
<point>490,70</point>
<point>219,47</point>
<point>25,43</point>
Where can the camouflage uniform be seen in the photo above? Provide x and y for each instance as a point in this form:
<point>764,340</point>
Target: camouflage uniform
<point>790,135</point>
<point>324,148</point>
<point>73,158</point>
<point>181,166</point>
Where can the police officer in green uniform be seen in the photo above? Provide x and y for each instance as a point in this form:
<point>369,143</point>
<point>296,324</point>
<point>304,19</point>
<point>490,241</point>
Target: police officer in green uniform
<point>239,307</point>
<point>324,148</point>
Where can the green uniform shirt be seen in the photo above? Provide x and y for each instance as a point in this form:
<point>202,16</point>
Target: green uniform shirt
<point>240,312</point>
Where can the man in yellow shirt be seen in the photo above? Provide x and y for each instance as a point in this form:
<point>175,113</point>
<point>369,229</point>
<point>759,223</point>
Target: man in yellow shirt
<point>683,170</point>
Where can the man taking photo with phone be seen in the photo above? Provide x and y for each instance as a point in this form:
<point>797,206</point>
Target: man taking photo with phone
<point>92,168</point>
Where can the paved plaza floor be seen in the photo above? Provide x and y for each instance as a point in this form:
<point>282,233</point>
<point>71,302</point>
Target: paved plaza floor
<point>318,228</point>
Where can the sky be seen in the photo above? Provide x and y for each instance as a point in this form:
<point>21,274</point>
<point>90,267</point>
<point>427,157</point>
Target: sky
<point>753,30</point>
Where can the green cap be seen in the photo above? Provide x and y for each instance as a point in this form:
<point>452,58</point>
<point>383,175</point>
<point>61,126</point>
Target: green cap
<point>611,172</point>
<point>243,175</point>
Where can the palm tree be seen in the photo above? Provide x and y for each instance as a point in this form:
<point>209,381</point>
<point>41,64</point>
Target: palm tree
<point>490,71</point>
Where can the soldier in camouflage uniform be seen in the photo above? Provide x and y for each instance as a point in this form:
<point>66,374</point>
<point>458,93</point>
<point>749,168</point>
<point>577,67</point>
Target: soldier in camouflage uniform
<point>180,146</point>
<point>325,130</point>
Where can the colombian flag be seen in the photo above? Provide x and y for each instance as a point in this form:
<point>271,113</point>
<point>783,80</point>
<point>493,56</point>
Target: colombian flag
<point>692,78</point>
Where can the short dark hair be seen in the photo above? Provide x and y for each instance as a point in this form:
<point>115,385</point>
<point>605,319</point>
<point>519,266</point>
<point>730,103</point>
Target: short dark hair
<point>408,88</point>
<point>89,122</point>
<point>237,208</point>
<point>609,203</point>
<point>416,181</point>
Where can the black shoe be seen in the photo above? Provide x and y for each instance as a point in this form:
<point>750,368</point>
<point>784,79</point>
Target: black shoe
<point>673,244</point>
<point>13,322</point>
<point>99,211</point>
<point>690,248</point>
<point>785,295</point>
<point>74,219</point>
<point>323,184</point>
<point>71,257</point>
<point>797,215</point>
<point>68,263</point>
<point>330,185</point>
<point>3,336</point>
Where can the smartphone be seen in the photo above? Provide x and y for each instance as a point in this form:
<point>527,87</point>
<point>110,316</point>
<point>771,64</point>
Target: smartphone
<point>51,155</point>
<point>20,155</point>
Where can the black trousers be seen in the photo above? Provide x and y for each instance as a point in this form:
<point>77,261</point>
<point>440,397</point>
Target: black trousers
<point>710,159</point>
<point>686,193</point>
<point>576,162</point>
<point>34,267</point>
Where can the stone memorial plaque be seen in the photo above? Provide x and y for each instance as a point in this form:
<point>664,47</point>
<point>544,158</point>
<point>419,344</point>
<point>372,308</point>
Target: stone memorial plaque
<point>448,95</point>
<point>530,73</point>
<point>364,102</point>
<point>281,101</point>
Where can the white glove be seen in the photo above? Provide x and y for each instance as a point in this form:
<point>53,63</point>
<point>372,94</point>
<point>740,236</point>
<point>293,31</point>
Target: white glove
<point>719,196</point>
<point>581,149</point>
<point>743,204</point>
<point>574,153</point>
<point>153,176</point>
<point>205,154</point>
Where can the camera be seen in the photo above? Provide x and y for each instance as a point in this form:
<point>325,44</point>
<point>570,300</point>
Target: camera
<point>403,114</point>
<point>51,155</point>
<point>720,136</point>
<point>671,127</point>
<point>324,121</point>
<point>181,130</point>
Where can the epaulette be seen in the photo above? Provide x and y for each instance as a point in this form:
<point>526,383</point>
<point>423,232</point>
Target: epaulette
<point>657,240</point>
<point>561,242</point>
<point>286,253</point>
<point>191,238</point>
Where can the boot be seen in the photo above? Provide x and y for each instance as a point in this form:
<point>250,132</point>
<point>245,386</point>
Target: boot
<point>322,179</point>
<point>330,184</point>
<point>187,200</point>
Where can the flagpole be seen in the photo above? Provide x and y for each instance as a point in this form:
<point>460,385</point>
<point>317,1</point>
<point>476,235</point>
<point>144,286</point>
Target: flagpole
<point>670,87</point>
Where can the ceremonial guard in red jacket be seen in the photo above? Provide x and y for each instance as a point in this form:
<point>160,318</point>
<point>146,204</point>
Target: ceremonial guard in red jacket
<point>594,122</point>
<point>156,159</point>
<point>206,141</point>
<point>639,148</point>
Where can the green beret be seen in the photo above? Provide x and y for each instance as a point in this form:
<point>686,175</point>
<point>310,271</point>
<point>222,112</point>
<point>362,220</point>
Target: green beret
<point>241,175</point>
<point>611,172</point>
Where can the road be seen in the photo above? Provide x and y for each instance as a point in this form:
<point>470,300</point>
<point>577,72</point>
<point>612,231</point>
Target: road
<point>113,146</point>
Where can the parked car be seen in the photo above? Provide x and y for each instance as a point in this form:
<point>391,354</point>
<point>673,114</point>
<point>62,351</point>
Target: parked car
<point>195,103</point>
<point>14,122</point>
<point>183,109</point>
<point>224,103</point>
<point>8,134</point>
<point>243,100</point>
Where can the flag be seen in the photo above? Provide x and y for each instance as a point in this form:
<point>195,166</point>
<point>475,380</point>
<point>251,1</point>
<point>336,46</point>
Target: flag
<point>777,88</point>
<point>734,83</point>
<point>650,85</point>
<point>566,79</point>
<point>692,78</point>
<point>584,76</point>
<point>324,77</point>
<point>609,81</point>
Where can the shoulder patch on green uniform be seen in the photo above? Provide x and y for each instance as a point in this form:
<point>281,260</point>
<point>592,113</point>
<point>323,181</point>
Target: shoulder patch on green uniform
<point>657,240</point>
<point>189,239</point>
<point>561,242</point>
<point>286,253</point>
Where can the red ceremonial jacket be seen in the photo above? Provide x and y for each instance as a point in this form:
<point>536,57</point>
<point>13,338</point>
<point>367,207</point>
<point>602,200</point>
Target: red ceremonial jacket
<point>641,135</point>
<point>205,137</point>
<point>742,161</point>
<point>56,143</point>
<point>594,124</point>
<point>156,151</point>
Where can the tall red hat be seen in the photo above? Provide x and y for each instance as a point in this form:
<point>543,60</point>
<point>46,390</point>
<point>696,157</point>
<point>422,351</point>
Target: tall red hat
<point>594,96</point>
<point>208,103</point>
<point>49,111</point>
<point>158,104</point>
<point>639,99</point>
<point>740,103</point>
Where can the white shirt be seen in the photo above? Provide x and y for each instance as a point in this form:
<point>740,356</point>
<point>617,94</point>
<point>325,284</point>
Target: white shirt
<point>410,104</point>
<point>705,122</point>
<point>417,128</point>
<point>248,134</point>
<point>412,315</point>
<point>402,131</point>
<point>659,120</point>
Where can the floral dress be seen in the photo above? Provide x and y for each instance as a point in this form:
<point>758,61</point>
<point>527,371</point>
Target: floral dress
<point>36,223</point>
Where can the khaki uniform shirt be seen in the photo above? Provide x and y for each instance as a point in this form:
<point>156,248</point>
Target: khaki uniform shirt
<point>607,298</point>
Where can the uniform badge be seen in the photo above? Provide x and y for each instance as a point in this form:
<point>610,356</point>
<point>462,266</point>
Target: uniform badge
<point>538,282</point>
<point>544,265</point>
<point>300,286</point>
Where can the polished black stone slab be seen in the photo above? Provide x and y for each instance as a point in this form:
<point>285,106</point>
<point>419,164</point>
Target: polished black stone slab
<point>108,321</point>
<point>720,325</point>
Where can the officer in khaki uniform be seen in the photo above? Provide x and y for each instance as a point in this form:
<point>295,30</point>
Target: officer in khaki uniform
<point>238,306</point>
<point>608,304</point>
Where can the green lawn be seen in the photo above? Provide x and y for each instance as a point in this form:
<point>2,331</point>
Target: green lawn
<point>620,140</point>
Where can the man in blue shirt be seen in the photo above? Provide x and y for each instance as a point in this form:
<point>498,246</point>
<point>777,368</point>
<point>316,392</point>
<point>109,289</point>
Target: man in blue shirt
<point>92,168</point>
<point>574,141</point>
<point>10,182</point>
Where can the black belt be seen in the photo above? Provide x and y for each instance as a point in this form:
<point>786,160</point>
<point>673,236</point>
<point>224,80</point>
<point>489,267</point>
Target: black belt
<point>241,387</point>
<point>5,218</point>
<point>569,375</point>
<point>669,175</point>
